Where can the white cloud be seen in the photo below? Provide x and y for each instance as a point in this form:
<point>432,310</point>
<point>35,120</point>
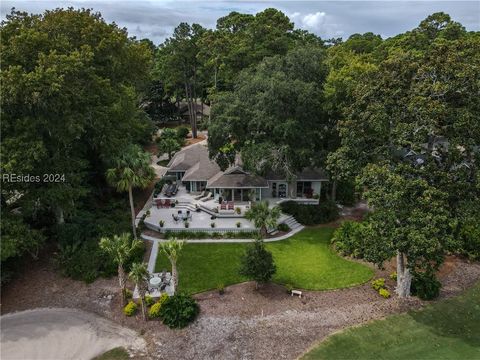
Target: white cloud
<point>314,21</point>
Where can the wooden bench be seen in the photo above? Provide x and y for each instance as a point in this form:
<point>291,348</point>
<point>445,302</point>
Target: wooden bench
<point>297,292</point>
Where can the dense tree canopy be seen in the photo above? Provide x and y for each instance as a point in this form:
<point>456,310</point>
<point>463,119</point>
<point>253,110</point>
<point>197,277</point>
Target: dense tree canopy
<point>70,85</point>
<point>416,115</point>
<point>266,116</point>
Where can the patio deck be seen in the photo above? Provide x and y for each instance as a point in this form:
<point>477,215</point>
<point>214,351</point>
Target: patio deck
<point>200,221</point>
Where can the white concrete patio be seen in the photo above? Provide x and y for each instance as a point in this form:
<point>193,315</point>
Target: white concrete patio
<point>197,221</point>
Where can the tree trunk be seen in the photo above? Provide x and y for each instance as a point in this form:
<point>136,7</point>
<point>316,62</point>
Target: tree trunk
<point>194,128</point>
<point>263,231</point>
<point>123,284</point>
<point>132,209</point>
<point>333,193</point>
<point>144,307</point>
<point>174,277</point>
<point>404,278</point>
<point>60,215</point>
<point>189,105</point>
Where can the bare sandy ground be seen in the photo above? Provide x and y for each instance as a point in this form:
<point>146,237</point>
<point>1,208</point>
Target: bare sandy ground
<point>62,334</point>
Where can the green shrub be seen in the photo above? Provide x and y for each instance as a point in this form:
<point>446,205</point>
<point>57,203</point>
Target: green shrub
<point>130,309</point>
<point>149,300</point>
<point>128,294</point>
<point>79,255</point>
<point>324,212</point>
<point>178,311</point>
<point>164,297</point>
<point>378,284</point>
<point>283,227</point>
<point>289,288</point>
<point>384,293</point>
<point>393,276</point>
<point>469,236</point>
<point>154,311</point>
<point>182,132</point>
<point>238,224</point>
<point>425,286</point>
<point>238,210</point>
<point>348,239</point>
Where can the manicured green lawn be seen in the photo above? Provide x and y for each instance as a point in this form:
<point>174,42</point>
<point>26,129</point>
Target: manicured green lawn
<point>305,261</point>
<point>446,330</point>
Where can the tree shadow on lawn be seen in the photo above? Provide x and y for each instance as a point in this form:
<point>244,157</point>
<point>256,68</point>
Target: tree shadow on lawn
<point>458,317</point>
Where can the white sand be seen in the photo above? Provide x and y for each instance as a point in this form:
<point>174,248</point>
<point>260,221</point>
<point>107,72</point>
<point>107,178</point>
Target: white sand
<point>61,334</point>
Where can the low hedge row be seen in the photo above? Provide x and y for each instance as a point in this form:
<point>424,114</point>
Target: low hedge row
<point>210,235</point>
<point>324,212</point>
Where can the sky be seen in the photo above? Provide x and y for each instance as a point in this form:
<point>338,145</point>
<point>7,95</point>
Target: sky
<point>157,19</point>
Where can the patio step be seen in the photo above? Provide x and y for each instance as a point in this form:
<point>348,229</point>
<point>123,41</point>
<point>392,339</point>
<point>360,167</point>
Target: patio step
<point>291,222</point>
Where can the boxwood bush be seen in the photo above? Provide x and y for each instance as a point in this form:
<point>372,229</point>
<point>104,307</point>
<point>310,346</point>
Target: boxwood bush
<point>179,310</point>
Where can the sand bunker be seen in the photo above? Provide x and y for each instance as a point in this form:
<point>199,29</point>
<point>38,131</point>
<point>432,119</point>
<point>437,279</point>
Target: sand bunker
<point>62,334</point>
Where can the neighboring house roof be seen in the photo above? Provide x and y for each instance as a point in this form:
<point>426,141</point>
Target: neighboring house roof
<point>197,165</point>
<point>198,107</point>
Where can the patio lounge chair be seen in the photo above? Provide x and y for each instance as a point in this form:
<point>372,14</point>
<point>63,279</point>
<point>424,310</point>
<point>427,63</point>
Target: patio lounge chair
<point>175,189</point>
<point>203,194</point>
<point>206,198</point>
<point>231,205</point>
<point>223,206</point>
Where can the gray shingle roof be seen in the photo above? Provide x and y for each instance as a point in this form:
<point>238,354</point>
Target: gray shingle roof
<point>197,165</point>
<point>236,179</point>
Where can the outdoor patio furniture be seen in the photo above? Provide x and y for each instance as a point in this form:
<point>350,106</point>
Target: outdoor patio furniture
<point>231,205</point>
<point>223,206</point>
<point>155,282</point>
<point>202,194</point>
<point>175,218</point>
<point>206,198</point>
<point>175,189</point>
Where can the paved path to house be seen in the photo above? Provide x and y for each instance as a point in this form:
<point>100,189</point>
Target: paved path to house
<point>62,334</point>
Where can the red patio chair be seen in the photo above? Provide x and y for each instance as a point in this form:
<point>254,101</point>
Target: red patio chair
<point>231,205</point>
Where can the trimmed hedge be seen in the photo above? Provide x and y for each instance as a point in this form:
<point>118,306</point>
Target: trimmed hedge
<point>324,212</point>
<point>210,235</point>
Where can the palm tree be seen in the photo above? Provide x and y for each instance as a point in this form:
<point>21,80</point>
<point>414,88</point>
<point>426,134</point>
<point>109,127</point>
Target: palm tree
<point>172,249</point>
<point>263,217</point>
<point>131,169</point>
<point>120,248</point>
<point>139,275</point>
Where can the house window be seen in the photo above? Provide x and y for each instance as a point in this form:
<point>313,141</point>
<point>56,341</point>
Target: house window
<point>201,185</point>
<point>304,189</point>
